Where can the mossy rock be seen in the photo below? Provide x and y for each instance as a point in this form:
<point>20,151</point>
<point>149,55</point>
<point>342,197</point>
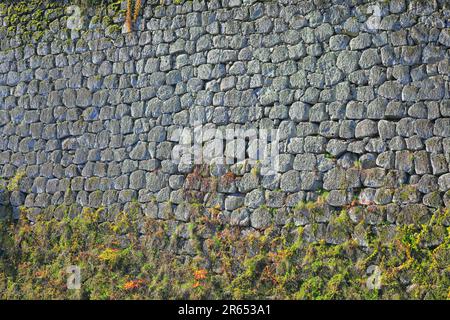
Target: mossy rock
<point>415,214</point>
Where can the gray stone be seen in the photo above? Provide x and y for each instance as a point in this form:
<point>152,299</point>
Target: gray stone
<point>386,129</point>
<point>347,61</point>
<point>355,110</point>
<point>433,200</point>
<point>261,218</point>
<point>390,90</point>
<point>366,128</point>
<point>275,199</point>
<point>427,184</point>
<point>285,162</point>
<point>17,198</point>
<point>405,127</point>
<point>286,130</point>
<point>444,108</point>
<point>438,164</point>
<point>329,129</point>
<point>386,160</point>
<point>422,162</point>
<point>361,41</point>
<point>411,55</point>
<point>444,182</point>
<point>137,180</point>
<point>339,42</point>
<point>254,199</point>
<point>397,6</point>
<point>432,88</point>
<point>310,181</point>
<point>84,98</point>
<point>290,181</point>
<point>155,181</point>
<point>442,127</point>
<point>140,151</point>
<point>432,54</point>
<point>347,129</point>
<point>305,161</point>
<point>233,202</point>
<point>263,25</point>
<point>383,196</point>
<point>299,111</point>
<point>241,218</point>
<point>335,178</point>
<point>423,128</point>
<point>314,144</point>
<point>404,161</point>
<point>376,109</point>
<point>183,212</point>
<point>413,214</point>
<point>336,147</point>
<point>337,198</point>
<point>369,58</point>
<point>80,156</point>
<point>395,110</point>
<point>373,178</point>
<point>248,182</point>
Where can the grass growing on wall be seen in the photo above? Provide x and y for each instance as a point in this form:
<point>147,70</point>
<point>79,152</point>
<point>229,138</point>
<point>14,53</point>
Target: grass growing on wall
<point>134,257</point>
<point>31,20</point>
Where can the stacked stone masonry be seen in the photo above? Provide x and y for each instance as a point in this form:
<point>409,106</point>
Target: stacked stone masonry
<point>363,111</point>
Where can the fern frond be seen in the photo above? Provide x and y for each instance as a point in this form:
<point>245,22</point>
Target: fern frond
<point>128,17</point>
<point>137,8</point>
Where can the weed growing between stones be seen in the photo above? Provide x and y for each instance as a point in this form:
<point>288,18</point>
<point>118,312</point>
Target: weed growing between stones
<point>13,184</point>
<point>136,257</point>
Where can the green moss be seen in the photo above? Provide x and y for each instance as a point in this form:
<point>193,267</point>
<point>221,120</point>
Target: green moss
<point>35,15</point>
<point>406,192</point>
<point>115,5</point>
<point>113,29</point>
<point>123,258</point>
<point>14,182</point>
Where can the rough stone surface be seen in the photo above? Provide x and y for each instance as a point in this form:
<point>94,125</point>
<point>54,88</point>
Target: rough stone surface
<point>361,114</point>
<point>261,218</point>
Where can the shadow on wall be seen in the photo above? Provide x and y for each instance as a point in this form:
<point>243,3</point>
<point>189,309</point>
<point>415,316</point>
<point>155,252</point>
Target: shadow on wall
<point>6,210</point>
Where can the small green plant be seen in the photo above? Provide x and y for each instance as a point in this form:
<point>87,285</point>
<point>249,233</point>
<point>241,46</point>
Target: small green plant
<point>14,182</point>
<point>357,164</point>
<point>136,257</point>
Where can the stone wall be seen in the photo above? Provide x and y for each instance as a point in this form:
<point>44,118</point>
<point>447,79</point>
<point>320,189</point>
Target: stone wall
<point>358,90</point>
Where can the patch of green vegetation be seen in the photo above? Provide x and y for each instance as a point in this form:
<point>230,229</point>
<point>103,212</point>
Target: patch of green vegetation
<point>36,16</point>
<point>13,184</point>
<point>136,257</point>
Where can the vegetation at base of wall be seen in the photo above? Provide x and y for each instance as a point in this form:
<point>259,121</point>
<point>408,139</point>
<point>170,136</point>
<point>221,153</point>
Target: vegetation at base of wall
<point>135,257</point>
